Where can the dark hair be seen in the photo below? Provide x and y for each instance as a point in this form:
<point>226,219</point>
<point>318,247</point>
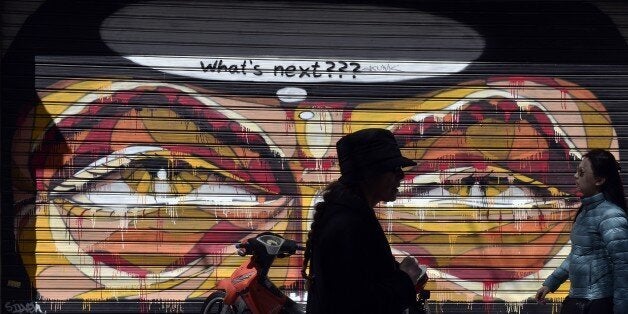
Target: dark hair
<point>605,166</point>
<point>333,191</point>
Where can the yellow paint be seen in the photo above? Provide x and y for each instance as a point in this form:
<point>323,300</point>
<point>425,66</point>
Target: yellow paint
<point>50,256</point>
<point>108,294</point>
<point>401,110</point>
<point>55,104</point>
<point>599,131</point>
<point>308,194</point>
<point>454,227</point>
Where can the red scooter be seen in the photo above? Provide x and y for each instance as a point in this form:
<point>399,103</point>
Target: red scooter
<point>249,290</point>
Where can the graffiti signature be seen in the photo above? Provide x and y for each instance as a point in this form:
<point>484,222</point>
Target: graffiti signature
<point>31,307</point>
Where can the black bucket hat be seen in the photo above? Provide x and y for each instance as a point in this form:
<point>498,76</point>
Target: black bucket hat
<point>369,151</point>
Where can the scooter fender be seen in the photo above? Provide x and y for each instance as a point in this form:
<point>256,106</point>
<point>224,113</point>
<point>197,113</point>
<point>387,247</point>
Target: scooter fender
<point>240,281</point>
<point>230,290</point>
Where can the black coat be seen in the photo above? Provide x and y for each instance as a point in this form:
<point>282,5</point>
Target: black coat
<point>353,268</point>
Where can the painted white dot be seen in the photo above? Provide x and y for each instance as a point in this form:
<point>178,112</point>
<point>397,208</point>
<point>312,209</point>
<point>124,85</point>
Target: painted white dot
<point>306,115</point>
<point>292,94</point>
<point>162,175</point>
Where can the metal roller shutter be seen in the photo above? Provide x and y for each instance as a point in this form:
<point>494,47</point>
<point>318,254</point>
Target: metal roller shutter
<point>141,140</point>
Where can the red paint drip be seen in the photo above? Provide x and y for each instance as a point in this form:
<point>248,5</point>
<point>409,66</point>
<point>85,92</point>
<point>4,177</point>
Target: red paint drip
<point>159,237</point>
<point>489,291</point>
<point>516,84</point>
<point>563,98</point>
<point>541,220</point>
<point>488,295</point>
<point>96,274</point>
<point>79,227</point>
<point>143,298</point>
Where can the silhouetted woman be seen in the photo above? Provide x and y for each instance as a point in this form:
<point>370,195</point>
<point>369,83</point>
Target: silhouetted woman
<point>352,267</point>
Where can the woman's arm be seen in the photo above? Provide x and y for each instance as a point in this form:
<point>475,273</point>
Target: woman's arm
<point>559,275</point>
<point>614,231</point>
<point>355,282</point>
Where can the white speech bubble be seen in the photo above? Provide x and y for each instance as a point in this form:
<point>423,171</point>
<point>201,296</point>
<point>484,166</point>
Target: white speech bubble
<point>285,69</point>
<point>291,94</point>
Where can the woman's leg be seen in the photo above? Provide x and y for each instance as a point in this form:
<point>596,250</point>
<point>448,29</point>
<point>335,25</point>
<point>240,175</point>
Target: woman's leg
<point>600,306</point>
<point>574,306</point>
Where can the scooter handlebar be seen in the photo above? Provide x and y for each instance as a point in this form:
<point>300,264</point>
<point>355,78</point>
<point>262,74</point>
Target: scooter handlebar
<point>287,248</point>
<point>243,249</point>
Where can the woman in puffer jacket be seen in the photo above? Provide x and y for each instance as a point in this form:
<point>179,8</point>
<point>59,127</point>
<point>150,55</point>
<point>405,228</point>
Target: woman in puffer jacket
<point>597,266</point>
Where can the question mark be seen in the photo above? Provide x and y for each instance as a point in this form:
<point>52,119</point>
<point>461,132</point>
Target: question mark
<point>342,69</point>
<point>356,68</point>
<point>331,68</point>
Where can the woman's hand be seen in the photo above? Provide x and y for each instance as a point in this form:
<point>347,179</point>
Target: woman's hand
<point>411,267</point>
<point>541,293</point>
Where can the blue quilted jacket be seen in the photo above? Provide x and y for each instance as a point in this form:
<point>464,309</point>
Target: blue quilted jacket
<point>598,263</point>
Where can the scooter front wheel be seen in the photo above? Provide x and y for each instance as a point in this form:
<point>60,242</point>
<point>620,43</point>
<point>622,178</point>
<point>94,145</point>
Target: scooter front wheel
<point>215,304</point>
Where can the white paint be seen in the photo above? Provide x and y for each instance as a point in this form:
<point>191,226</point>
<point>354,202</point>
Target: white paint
<point>110,277</point>
<point>275,69</point>
<point>504,290</point>
<point>306,115</point>
<point>318,133</point>
<point>292,94</point>
<point>28,307</point>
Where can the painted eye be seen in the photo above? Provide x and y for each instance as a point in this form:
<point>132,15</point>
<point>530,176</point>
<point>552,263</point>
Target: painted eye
<point>142,180</point>
<point>461,190</point>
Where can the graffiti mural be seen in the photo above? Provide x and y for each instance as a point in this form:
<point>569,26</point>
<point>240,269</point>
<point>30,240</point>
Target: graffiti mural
<point>139,155</point>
